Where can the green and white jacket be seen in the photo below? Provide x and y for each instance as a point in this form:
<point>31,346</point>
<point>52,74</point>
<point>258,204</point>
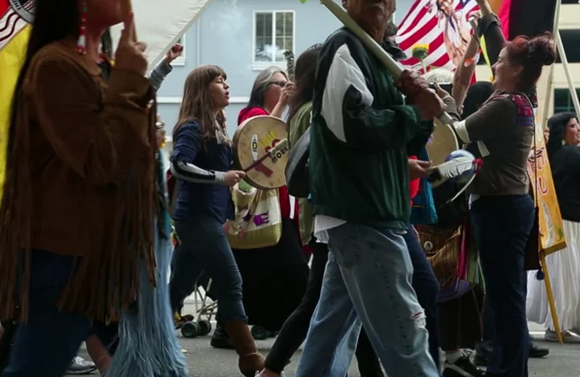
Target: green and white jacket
<point>362,135</point>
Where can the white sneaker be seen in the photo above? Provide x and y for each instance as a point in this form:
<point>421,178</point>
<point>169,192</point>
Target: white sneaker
<point>567,337</point>
<point>81,366</point>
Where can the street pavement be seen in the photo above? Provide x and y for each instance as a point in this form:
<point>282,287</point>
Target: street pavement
<point>205,361</point>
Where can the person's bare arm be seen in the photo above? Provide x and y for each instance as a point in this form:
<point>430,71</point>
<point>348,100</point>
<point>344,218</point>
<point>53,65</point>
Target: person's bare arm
<point>464,72</point>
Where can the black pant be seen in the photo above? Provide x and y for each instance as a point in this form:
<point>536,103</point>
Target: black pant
<point>503,225</point>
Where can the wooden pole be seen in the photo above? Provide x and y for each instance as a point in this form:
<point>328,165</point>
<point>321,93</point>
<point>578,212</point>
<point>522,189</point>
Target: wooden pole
<point>551,301</point>
<point>392,66</point>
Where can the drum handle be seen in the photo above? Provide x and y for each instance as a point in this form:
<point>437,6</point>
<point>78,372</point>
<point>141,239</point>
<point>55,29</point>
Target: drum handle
<point>278,147</point>
<point>375,48</point>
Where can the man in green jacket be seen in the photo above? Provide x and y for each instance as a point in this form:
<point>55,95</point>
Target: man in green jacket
<point>363,131</point>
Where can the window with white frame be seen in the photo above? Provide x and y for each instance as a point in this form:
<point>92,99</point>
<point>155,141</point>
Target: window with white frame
<point>273,35</point>
<point>180,60</point>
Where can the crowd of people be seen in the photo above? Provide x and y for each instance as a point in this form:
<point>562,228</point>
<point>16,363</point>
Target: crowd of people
<point>352,270</point>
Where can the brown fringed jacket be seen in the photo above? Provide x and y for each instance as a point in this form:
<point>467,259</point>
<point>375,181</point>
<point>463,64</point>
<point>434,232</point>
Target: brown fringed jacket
<point>80,182</point>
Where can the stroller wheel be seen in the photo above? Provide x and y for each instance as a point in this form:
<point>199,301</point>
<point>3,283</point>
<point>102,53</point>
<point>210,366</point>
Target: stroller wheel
<point>259,333</point>
<point>189,329</point>
<point>204,327</point>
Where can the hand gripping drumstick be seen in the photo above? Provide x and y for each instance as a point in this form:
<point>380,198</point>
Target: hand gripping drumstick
<point>375,48</point>
<point>280,146</point>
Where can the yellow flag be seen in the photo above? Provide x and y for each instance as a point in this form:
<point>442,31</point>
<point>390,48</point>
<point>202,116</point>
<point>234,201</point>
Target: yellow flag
<point>12,55</point>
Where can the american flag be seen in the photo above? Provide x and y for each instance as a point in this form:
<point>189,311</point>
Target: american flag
<point>442,25</point>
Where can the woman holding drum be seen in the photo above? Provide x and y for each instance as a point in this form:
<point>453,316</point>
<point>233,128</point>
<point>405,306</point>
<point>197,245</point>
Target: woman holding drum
<point>275,277</point>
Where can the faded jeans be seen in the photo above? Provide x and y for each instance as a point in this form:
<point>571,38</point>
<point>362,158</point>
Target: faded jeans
<point>367,281</point>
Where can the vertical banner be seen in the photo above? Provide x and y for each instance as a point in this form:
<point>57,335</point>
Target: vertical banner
<point>15,18</point>
<point>551,228</point>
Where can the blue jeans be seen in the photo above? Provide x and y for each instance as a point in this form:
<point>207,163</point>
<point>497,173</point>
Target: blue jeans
<point>204,247</point>
<point>367,281</point>
<point>502,227</point>
<point>47,343</point>
<point>426,286</point>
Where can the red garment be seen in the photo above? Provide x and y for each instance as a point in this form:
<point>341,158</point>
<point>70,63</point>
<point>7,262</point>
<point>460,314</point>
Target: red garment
<point>284,197</point>
<point>415,184</point>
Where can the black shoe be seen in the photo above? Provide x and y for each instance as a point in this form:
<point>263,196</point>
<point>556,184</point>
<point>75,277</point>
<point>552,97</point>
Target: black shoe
<point>537,352</point>
<point>220,339</point>
<point>481,360</point>
<point>462,368</point>
<point>483,353</point>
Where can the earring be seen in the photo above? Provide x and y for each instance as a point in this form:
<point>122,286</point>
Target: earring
<point>82,42</point>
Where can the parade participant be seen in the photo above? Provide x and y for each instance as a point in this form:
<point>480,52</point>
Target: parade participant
<point>361,129</point>
<point>489,27</point>
<point>459,317</point>
<point>89,149</point>
<point>202,161</point>
<point>564,156</point>
<point>501,208</point>
<point>275,277</point>
<point>294,331</point>
<point>99,354</point>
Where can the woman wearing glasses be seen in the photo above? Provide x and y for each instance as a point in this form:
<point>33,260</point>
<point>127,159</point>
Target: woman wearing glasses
<point>274,277</point>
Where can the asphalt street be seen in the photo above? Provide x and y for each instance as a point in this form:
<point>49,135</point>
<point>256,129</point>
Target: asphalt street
<point>205,361</point>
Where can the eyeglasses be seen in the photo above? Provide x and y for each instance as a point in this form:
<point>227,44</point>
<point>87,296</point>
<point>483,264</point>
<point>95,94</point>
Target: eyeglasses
<point>279,83</point>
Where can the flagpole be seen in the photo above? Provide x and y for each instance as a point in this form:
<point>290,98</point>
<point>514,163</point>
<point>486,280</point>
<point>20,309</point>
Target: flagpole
<point>389,63</point>
<point>550,83</point>
<point>564,59</point>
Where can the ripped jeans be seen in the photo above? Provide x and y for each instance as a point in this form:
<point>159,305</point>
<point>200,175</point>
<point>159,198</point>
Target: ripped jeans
<point>367,281</point>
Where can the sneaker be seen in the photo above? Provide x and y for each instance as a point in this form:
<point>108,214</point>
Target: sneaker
<point>81,366</point>
<point>463,367</point>
<point>567,337</point>
<point>537,352</point>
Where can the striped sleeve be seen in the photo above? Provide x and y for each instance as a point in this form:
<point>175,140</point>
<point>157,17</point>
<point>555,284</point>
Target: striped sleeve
<point>159,73</point>
<point>191,173</point>
<point>347,108</point>
<point>185,150</point>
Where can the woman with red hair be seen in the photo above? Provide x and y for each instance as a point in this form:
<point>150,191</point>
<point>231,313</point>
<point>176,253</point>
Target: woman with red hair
<point>501,132</point>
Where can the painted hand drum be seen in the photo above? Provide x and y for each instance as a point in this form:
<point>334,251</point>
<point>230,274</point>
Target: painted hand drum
<point>442,142</point>
<point>261,150</point>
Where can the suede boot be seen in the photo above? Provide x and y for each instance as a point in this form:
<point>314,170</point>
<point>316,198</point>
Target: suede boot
<point>250,360</point>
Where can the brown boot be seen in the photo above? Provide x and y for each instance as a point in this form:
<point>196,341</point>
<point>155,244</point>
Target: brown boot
<point>250,360</point>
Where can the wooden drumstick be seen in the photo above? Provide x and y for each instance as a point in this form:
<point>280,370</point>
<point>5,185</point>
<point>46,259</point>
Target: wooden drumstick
<point>280,146</point>
<point>126,8</point>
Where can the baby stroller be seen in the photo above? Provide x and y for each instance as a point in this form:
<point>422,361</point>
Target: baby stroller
<point>205,303</point>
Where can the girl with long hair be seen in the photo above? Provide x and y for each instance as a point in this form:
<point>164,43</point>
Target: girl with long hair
<point>564,155</point>
<point>80,194</point>
<point>202,161</point>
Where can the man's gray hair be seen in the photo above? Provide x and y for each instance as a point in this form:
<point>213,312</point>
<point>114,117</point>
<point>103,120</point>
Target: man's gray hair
<point>439,76</point>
